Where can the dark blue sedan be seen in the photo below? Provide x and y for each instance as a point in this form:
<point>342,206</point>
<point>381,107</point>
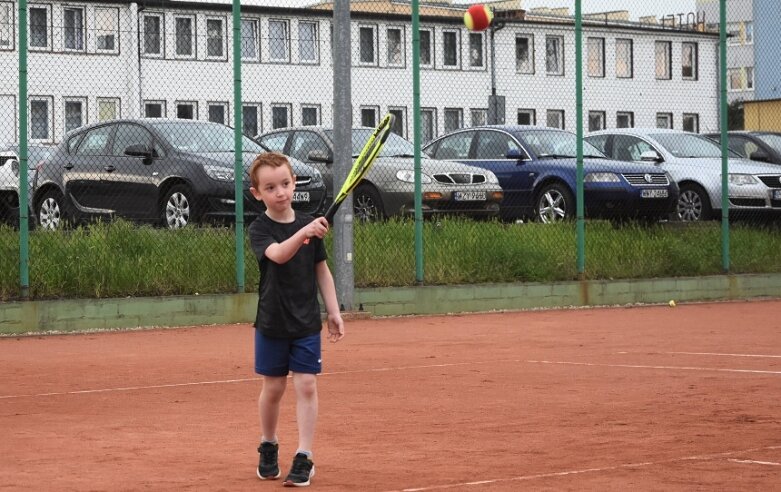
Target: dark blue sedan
<point>537,169</point>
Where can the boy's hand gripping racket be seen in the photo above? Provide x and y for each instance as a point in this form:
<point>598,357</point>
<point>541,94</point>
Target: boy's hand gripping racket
<point>362,163</point>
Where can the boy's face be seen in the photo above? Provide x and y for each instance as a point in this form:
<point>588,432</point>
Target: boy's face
<point>275,187</point>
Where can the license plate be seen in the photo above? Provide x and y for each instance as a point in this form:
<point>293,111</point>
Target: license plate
<point>776,194</point>
<point>300,196</point>
<point>469,196</point>
<point>653,193</point>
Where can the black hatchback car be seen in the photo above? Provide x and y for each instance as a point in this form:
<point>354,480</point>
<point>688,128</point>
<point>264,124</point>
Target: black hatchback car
<point>757,146</point>
<point>168,172</point>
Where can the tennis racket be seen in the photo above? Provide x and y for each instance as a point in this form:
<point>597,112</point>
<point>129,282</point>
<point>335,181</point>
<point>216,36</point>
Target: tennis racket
<point>362,163</point>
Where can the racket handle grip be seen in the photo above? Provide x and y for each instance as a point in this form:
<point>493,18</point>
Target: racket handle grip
<point>329,214</point>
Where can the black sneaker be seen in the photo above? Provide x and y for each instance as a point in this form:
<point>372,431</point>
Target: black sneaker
<point>302,470</point>
<point>268,467</point>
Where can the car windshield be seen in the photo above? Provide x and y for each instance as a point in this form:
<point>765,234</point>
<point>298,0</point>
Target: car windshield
<point>771,140</point>
<point>545,143</point>
<point>193,137</point>
<point>395,146</point>
<point>686,145</point>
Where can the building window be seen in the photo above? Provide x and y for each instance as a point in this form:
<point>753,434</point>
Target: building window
<point>554,55</point>
<point>153,34</point>
<point>625,119</point>
<point>39,28</point>
<point>249,39</point>
<point>395,45</point>
<point>217,112</point>
<point>250,120</point>
<point>185,46</point>
<point>524,53</point>
<point>426,37</point>
<point>279,40</point>
<point>689,61</point>
<point>40,118</point>
<point>308,48</point>
<point>476,57</point>
<point>749,78</point>
<point>555,118</point>
<point>596,57</point>
<point>6,26</point>
<point>691,122</point>
<point>624,59</point>
<point>733,33</point>
<point>451,49</point>
<point>527,117</point>
<point>74,113</point>
<point>368,46</point>
<point>663,50</point>
<point>154,109</point>
<point>73,28</point>
<point>735,79</point>
<point>215,38</point>
<point>108,109</point>
<point>399,122</point>
<point>454,119</point>
<point>187,110</point>
<point>369,116</point>
<point>748,32</point>
<point>664,120</point>
<point>596,121</point>
<point>106,29</point>
<point>428,124</point>
<point>280,116</point>
<point>478,116</point>
<point>310,115</point>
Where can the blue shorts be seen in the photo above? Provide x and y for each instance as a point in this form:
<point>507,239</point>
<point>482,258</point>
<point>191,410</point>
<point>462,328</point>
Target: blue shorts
<point>278,356</point>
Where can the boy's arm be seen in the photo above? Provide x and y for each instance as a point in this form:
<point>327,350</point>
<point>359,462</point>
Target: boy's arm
<point>325,281</point>
<point>282,252</point>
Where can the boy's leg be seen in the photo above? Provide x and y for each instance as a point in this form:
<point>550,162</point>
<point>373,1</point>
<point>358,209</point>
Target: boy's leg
<point>306,409</point>
<point>268,405</point>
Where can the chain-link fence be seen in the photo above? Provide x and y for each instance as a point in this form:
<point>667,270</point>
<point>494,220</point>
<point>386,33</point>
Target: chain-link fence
<point>130,108</point>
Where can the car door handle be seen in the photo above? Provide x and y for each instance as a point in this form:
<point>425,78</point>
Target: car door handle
<point>109,168</point>
<point>68,166</point>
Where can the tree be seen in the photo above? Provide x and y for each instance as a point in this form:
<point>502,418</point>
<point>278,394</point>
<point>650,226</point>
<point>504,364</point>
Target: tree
<point>735,115</point>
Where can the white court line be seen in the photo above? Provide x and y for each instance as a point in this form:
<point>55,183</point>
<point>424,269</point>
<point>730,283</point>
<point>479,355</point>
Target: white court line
<point>707,353</point>
<point>385,369</point>
<point>638,366</point>
<point>702,457</point>
<point>753,462</point>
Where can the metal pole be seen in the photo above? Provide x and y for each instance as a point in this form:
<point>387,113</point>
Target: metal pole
<point>238,162</point>
<point>24,231</point>
<point>580,231</point>
<point>725,260</point>
<point>417,141</point>
<point>342,119</point>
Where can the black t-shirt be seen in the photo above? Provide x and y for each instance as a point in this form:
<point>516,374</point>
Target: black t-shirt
<point>288,305</point>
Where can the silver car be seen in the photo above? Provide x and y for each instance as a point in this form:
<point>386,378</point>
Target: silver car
<point>9,178</point>
<point>448,187</point>
<point>694,161</point>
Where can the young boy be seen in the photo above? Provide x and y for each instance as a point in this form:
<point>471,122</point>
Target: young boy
<point>291,257</point>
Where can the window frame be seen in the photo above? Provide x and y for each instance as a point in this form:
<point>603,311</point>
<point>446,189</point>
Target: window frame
<point>601,115</point>
<point>599,43</point>
<point>223,37</point>
<point>273,44</point>
<point>288,114</point>
<point>560,114</point>
<point>315,43</point>
<point>318,114</point>
<point>481,37</point>
<point>117,102</point>
<point>258,117</point>
<point>402,46</point>
<point>113,13</point>
<point>530,46</point>
<point>49,100</point>
<point>374,42</point>
<point>434,133</point>
<point>84,112</point>
<point>561,71</point>
<point>749,85</point>
<point>456,49</point>
<point>695,60</point>
<point>629,114</point>
<point>9,29</point>
<point>668,71</point>
<point>630,63</point>
<point>193,36</point>
<point>459,112</point>
<point>47,28</point>
<point>695,117</point>
<point>82,38</point>
<point>431,44</point>
<point>160,35</point>
<point>375,114</point>
<point>225,111</point>
<point>478,111</point>
<point>528,111</point>
<point>255,23</point>
<point>183,102</point>
<point>400,112</point>
<point>161,103</point>
<point>666,115</point>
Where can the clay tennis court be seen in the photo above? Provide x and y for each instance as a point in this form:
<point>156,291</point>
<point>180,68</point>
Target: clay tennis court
<point>644,398</point>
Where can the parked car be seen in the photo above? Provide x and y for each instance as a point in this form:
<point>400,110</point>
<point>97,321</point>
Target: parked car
<point>9,178</point>
<point>170,172</point>
<point>537,170</point>
<point>694,161</point>
<point>757,146</point>
<point>388,188</point>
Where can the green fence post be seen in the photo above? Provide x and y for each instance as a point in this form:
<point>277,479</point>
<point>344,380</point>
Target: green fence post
<point>581,259</point>
<point>725,261</point>
<point>417,140</point>
<point>24,232</point>
<point>238,164</point>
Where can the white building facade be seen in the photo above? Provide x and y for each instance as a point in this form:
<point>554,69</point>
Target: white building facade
<point>92,61</point>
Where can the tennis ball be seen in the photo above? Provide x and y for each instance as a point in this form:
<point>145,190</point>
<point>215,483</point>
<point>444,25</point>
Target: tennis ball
<point>478,17</point>
<point>672,303</point>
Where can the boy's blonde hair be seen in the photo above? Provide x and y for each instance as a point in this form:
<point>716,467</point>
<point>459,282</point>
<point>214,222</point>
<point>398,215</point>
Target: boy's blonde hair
<point>268,159</point>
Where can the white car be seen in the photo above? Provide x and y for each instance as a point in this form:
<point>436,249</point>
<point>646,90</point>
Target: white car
<point>694,162</point>
<point>9,178</point>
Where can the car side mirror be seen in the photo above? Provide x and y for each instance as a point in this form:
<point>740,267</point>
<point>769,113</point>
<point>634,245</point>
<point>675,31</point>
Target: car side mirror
<point>651,156</point>
<point>320,155</point>
<point>140,150</point>
<point>516,155</point>
<point>759,155</point>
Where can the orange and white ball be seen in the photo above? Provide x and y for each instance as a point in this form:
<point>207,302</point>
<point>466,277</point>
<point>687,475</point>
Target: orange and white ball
<point>478,17</point>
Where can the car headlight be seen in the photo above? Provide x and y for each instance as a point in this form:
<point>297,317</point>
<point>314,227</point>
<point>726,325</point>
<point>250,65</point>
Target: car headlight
<point>408,176</point>
<point>742,179</point>
<point>601,178</point>
<point>491,177</point>
<point>219,173</point>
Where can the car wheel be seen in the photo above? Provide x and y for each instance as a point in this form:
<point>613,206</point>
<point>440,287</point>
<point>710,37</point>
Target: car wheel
<point>693,204</point>
<point>554,203</point>
<point>178,207</point>
<point>367,205</point>
<point>51,211</point>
